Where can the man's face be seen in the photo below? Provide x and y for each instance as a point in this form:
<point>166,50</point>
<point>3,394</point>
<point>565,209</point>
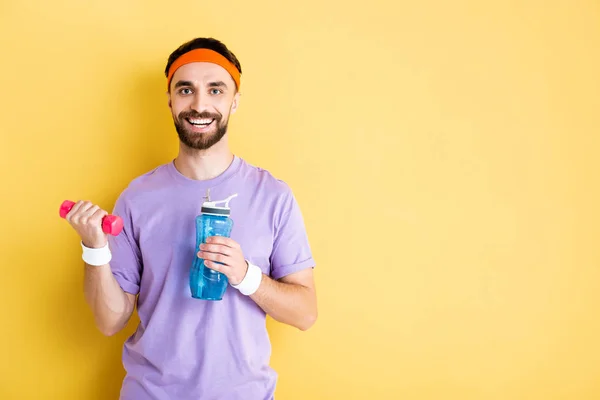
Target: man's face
<point>201,97</point>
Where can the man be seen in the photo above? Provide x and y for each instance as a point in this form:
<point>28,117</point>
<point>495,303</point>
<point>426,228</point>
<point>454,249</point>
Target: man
<point>186,348</point>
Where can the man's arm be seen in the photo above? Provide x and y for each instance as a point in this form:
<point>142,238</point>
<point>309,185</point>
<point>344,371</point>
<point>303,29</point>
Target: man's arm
<point>292,300</point>
<point>111,306</point>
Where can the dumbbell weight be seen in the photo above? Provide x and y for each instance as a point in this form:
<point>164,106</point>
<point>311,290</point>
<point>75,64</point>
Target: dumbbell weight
<point>111,224</point>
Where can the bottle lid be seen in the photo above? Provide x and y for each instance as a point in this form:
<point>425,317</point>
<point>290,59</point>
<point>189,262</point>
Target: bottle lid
<point>211,207</point>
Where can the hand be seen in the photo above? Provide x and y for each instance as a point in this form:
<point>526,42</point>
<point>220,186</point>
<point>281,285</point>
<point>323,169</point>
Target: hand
<point>219,249</point>
<point>86,219</point>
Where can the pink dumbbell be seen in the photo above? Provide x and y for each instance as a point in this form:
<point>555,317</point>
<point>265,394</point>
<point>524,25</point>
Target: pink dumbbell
<point>111,224</point>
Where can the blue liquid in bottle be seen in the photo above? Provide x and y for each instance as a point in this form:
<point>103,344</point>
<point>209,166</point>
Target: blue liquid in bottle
<point>205,283</point>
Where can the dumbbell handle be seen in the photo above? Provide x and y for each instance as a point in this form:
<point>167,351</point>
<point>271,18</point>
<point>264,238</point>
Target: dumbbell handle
<point>111,224</point>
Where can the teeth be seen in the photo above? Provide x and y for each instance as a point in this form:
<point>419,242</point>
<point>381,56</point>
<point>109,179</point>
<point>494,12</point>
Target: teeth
<point>200,121</point>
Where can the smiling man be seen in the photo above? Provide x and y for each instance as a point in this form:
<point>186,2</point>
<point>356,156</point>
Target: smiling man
<point>183,347</point>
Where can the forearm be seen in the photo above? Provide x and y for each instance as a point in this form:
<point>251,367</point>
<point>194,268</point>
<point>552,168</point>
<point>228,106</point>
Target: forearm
<point>291,300</point>
<point>292,304</point>
<point>111,306</point>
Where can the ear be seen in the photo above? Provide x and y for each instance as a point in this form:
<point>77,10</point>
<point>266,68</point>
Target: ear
<point>169,99</point>
<point>236,102</point>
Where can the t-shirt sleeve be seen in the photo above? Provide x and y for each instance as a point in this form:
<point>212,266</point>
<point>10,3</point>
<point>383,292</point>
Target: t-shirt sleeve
<point>291,250</point>
<point>126,262</point>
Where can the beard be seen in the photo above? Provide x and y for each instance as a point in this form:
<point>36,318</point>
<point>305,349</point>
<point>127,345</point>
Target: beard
<point>200,140</point>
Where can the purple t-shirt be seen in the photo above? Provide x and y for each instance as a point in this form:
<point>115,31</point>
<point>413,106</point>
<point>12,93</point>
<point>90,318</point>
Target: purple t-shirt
<point>185,348</point>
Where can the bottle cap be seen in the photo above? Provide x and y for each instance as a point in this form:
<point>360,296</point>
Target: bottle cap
<point>211,207</point>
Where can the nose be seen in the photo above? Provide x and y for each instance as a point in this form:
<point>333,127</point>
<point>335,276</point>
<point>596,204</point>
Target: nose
<point>199,102</point>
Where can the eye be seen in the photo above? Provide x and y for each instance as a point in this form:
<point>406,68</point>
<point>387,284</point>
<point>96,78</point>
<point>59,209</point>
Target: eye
<point>216,91</point>
<point>185,91</point>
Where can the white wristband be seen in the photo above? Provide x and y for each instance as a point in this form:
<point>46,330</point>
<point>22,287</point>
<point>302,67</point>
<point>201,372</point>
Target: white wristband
<point>251,281</point>
<point>96,257</point>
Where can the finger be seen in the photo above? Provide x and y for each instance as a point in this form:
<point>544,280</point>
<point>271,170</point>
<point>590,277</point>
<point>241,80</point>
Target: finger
<point>76,210</point>
<point>217,248</point>
<point>85,215</point>
<point>73,210</point>
<point>225,241</point>
<point>90,211</point>
<point>220,258</point>
<point>217,267</point>
<point>85,206</point>
<point>97,216</point>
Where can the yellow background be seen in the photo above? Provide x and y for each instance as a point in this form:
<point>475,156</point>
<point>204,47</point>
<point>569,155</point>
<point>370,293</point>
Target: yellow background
<point>444,154</point>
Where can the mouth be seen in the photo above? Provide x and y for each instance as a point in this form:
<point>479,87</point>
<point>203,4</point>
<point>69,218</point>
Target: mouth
<point>200,124</point>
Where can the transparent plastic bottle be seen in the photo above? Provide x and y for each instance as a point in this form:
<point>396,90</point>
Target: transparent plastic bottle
<point>206,283</point>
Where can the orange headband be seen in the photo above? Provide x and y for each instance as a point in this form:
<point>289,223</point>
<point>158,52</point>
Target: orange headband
<point>204,55</point>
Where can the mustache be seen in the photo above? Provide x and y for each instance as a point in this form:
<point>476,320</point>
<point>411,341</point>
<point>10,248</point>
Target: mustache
<point>196,115</point>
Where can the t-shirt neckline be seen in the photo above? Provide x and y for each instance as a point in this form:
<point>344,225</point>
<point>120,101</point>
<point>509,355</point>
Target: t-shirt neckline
<point>225,175</point>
